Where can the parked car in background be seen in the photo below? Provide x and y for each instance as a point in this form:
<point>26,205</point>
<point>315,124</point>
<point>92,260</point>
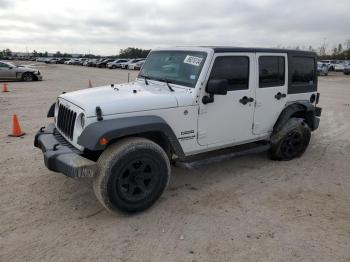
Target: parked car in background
<point>10,71</point>
<point>117,63</point>
<point>62,60</point>
<point>51,60</point>
<point>340,66</point>
<point>103,63</point>
<point>89,62</point>
<point>139,65</point>
<point>81,61</point>
<point>56,60</point>
<point>70,61</point>
<point>94,63</point>
<point>322,69</point>
<point>41,59</point>
<point>136,64</point>
<point>126,64</point>
<point>346,70</point>
<point>330,63</point>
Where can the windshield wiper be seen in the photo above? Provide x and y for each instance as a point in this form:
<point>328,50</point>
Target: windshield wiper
<point>146,82</point>
<point>145,78</point>
<point>167,83</point>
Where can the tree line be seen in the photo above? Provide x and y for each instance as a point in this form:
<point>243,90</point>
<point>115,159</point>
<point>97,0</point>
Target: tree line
<point>130,52</point>
<point>338,52</point>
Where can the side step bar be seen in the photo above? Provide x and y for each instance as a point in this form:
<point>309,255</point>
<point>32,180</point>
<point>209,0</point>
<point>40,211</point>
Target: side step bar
<point>221,155</point>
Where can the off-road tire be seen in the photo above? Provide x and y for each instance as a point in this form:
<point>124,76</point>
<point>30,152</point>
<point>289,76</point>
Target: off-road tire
<point>291,141</point>
<point>128,167</point>
<point>28,77</point>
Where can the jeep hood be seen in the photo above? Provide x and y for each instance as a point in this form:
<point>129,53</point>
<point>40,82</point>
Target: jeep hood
<point>127,98</point>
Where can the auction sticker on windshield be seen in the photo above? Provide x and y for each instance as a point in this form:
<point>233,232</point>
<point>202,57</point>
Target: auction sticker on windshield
<point>193,60</point>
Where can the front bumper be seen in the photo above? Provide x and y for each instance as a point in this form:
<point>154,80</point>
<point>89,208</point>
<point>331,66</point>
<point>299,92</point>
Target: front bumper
<point>60,157</point>
<point>317,115</point>
<point>39,77</point>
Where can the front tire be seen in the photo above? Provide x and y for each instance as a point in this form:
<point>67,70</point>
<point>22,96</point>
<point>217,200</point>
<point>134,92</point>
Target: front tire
<point>132,175</point>
<point>27,77</point>
<point>291,141</point>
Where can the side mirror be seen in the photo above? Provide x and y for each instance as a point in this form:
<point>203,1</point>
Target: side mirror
<point>217,86</point>
<point>10,67</point>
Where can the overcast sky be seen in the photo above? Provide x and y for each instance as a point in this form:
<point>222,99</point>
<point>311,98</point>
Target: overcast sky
<point>105,26</point>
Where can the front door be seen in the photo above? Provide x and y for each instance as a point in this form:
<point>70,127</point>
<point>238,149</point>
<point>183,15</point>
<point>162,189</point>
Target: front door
<point>271,91</point>
<point>6,72</point>
<point>229,118</point>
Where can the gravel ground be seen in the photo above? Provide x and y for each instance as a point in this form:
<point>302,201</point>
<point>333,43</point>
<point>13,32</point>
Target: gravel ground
<point>246,209</point>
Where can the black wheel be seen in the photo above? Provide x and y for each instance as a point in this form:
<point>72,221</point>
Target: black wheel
<point>114,67</point>
<point>291,141</point>
<point>27,77</point>
<point>132,175</point>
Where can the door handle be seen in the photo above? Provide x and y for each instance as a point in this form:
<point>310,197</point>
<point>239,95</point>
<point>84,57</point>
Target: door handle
<point>280,95</point>
<point>245,100</point>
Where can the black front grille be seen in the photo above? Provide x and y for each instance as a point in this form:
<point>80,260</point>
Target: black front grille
<point>66,121</point>
<point>64,142</point>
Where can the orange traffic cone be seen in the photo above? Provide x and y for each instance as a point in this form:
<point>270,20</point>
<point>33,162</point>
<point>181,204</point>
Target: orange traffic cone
<point>16,129</point>
<point>4,89</point>
<point>90,85</point>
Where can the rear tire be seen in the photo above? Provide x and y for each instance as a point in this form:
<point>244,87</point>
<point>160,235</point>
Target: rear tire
<point>132,175</point>
<point>291,141</point>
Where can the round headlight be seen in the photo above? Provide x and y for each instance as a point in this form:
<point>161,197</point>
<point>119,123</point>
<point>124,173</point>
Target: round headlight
<point>82,120</point>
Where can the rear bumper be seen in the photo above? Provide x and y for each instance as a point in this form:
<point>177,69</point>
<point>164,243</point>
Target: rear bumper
<point>60,157</point>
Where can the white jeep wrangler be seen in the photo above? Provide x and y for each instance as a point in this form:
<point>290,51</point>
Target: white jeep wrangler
<point>186,105</point>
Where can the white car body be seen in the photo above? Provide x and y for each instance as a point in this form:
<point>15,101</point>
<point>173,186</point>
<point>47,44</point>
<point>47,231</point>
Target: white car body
<point>131,61</point>
<point>138,99</point>
<point>186,103</point>
<point>139,63</point>
<point>117,63</point>
<point>322,68</point>
<point>53,60</point>
<point>340,66</point>
<point>71,61</point>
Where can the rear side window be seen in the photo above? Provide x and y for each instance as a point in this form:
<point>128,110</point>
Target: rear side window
<point>233,68</point>
<point>303,71</point>
<point>271,71</point>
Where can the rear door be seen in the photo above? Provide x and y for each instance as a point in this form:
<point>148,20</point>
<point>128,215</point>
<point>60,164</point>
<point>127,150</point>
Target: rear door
<point>271,92</point>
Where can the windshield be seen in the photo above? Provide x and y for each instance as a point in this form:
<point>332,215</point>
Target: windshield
<point>178,67</point>
<point>9,64</point>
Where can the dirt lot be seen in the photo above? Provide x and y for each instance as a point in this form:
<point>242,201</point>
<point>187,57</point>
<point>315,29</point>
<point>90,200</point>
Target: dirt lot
<point>246,209</point>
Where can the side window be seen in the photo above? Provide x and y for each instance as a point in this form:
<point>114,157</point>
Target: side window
<point>233,68</point>
<point>302,71</point>
<point>2,65</point>
<point>271,71</point>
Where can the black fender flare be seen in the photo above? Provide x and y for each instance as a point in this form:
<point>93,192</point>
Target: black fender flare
<point>114,129</point>
<point>303,107</point>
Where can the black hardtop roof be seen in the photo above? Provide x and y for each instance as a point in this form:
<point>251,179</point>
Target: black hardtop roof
<point>227,49</point>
